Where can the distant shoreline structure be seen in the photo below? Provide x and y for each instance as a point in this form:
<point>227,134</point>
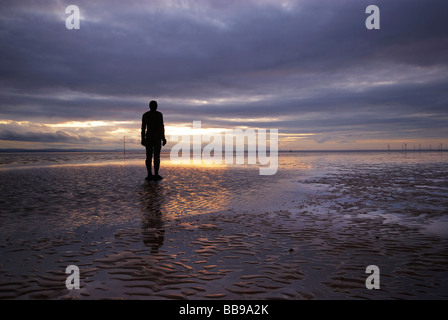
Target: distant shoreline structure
<point>168,151</point>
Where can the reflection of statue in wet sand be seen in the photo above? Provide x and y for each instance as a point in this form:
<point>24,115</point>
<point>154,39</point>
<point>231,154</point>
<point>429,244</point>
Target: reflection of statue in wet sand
<point>153,231</point>
<point>153,137</point>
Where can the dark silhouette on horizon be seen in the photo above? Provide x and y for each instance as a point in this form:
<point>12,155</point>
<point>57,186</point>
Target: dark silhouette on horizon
<point>153,231</point>
<point>153,137</point>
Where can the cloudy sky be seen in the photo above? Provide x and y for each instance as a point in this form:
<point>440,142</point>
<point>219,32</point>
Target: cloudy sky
<point>309,68</point>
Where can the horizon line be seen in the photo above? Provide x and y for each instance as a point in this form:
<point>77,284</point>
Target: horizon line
<point>13,150</point>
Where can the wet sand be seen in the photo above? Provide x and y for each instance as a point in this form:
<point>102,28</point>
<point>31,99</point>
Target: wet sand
<point>276,255</point>
<point>315,245</point>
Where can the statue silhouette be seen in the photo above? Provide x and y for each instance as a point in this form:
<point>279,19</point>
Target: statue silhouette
<point>153,137</point>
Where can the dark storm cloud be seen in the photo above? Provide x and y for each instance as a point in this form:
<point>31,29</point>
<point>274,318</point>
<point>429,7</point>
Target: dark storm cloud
<point>58,137</point>
<point>311,64</point>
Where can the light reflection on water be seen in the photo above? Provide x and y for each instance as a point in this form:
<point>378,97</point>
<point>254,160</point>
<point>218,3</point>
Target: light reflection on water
<point>76,189</point>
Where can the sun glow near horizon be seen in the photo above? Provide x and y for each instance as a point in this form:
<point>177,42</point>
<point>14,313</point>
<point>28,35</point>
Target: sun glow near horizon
<point>111,134</point>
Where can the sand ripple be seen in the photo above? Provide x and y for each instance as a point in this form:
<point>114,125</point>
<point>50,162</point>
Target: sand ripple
<point>238,256</point>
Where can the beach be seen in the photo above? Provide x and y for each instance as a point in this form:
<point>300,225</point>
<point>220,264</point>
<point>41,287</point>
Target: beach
<point>224,231</point>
